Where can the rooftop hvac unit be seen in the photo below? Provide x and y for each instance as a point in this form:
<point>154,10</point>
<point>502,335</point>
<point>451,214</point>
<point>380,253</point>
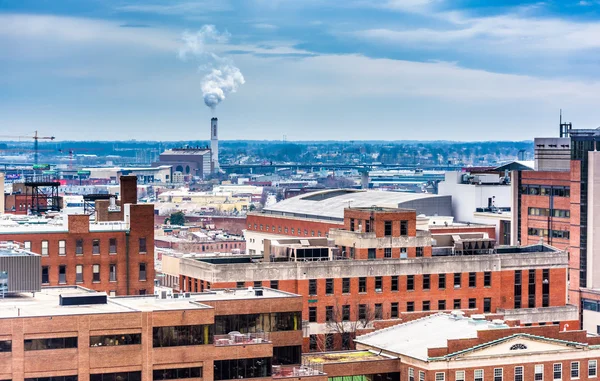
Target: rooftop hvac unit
<point>258,292</point>
<point>83,299</point>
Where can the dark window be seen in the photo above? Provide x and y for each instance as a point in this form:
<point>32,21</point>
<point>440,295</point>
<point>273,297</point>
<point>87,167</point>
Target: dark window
<point>346,341</point>
<point>142,274</point>
<point>62,274</point>
<point>54,343</point>
<point>112,245</point>
<point>121,376</point>
<point>79,246</point>
<point>142,245</point>
<point>329,313</point>
<point>362,284</point>
<point>5,346</point>
<point>114,340</point>
<point>426,305</point>
<point>403,227</point>
<point>387,228</point>
<point>239,284</point>
<point>257,284</point>
<point>312,314</point>
<point>456,304</point>
<point>419,252</point>
<point>487,279</point>
<point>387,252</point>
<point>313,343</point>
<point>410,306</point>
<point>372,253</point>
<point>472,280</point>
<point>487,305</point>
<point>287,355</point>
<point>352,224</point>
<point>329,286</point>
<point>96,246</point>
<point>329,341</point>
<point>53,378</point>
<point>378,311</point>
<point>517,288</point>
<point>242,368</point>
<point>378,284</point>
<point>175,374</point>
<point>426,281</point>
<point>545,288</point>
<point>442,281</point>
<point>410,282</point>
<point>312,287</point>
<point>367,226</point>
<point>95,273</point>
<point>472,303</point>
<point>345,312</point>
<point>345,285</point>
<point>394,286</point>
<point>441,305</point>
<point>274,284</point>
<point>457,280</point>
<point>362,311</point>
<point>112,272</point>
<point>180,335</point>
<point>394,310</point>
<point>531,290</point>
<point>45,276</point>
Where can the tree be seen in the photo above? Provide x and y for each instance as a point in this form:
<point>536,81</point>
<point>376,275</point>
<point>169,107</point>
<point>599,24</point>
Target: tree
<point>177,218</point>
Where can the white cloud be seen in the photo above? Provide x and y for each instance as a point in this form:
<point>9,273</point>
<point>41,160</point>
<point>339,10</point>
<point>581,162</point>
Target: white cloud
<point>178,8</point>
<point>265,26</point>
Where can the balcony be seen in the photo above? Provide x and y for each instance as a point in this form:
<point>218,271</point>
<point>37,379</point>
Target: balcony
<point>236,338</point>
<point>295,371</point>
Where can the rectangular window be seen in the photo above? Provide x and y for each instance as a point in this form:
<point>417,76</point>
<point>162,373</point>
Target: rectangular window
<point>456,304</point>
<point>312,287</point>
<point>410,282</point>
<point>79,273</point>
<point>312,314</point>
<point>378,311</point>
<point>362,311</point>
<point>439,376</point>
<point>329,341</point>
<point>239,284</point>
<point>274,284</point>
<point>517,289</point>
<point>54,343</point>
<point>378,284</point>
<point>487,305</point>
<point>394,283</point>
<point>472,303</point>
<point>531,290</point>
<point>142,245</point>
<point>62,274</point>
<point>442,281</point>
<point>387,252</point>
<point>181,335</point>
<point>478,375</point>
<point>112,273</point>
<point>362,284</point>
<point>441,305</point>
<point>518,373</point>
<point>328,313</point>
<point>419,251</point>
<point>538,372</point>
<point>367,226</point>
<point>5,346</point>
<point>394,310</point>
<point>96,246</point>
<point>592,368</point>
<point>457,280</point>
<point>411,374</point>
<point>45,275</point>
<point>121,376</point>
<point>113,340</point>
<point>387,230</point>
<point>79,247</point>
<point>403,228</point>
<point>472,280</point>
<point>313,343</point>
<point>329,286</point>
<point>545,288</point>
<point>426,305</point>
<point>352,224</point>
<point>95,273</point>
<point>426,281</point>
<point>459,375</point>
<point>498,375</point>
<point>487,279</point>
<point>62,247</point>
<point>410,306</point>
<point>346,312</point>
<point>575,370</point>
<point>112,246</point>
<point>257,284</point>
<point>27,245</point>
<point>421,375</point>
<point>176,374</point>
<point>346,285</point>
<point>242,368</point>
<point>557,372</point>
<point>372,253</point>
<point>142,273</point>
<point>44,247</point>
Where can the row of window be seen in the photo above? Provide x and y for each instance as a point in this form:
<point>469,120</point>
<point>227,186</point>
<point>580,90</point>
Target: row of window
<point>519,373</point>
<point>157,375</point>
<point>285,229</point>
<point>546,212</point>
<point>62,246</point>
<point>79,273</point>
<point>394,283</point>
<point>563,234</point>
<point>541,190</point>
<point>242,368</point>
<point>265,322</point>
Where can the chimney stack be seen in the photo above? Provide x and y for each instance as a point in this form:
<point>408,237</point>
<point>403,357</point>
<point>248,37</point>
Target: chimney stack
<point>214,144</point>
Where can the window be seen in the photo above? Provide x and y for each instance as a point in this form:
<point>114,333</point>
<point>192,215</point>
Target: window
<point>403,254</point>
<point>362,311</point>
<point>557,372</point>
<point>457,280</point>
<point>367,226</point>
<point>545,288</point>
<point>175,374</point>
<point>442,281</point>
<point>518,373</point>
<point>329,313</point>
<point>5,346</point>
<point>142,273</point>
<point>79,273</point>
<point>257,284</point>
<point>312,314</point>
<point>112,272</point>
<point>79,247</point>
<point>440,376</point>
<point>378,311</point>
<point>352,224</point>
<point>44,247</point>
<point>487,305</point>
<point>378,284</point>
<point>112,246</point>
<point>456,304</point>
<point>345,285</point>
<point>394,310</point>
<point>387,230</point>
<point>312,287</point>
<point>113,340</point>
<point>419,251</point>
<point>54,378</point>
<point>478,375</point>
<point>313,343</point>
<point>95,273</point>
<point>472,303</point>
<point>410,306</point>
<point>96,246</point>
<point>274,284</point>
<point>329,341</point>
<point>62,274</point>
<point>472,280</point>
<point>27,245</point>
<point>54,343</point>
<point>497,374</point>
<point>346,312</point>
<point>239,284</point>
<point>517,289</point>
<point>142,242</point>
<point>372,253</point>
<point>575,370</point>
<point>538,372</point>
<point>362,284</point>
<point>121,376</point>
<point>329,286</point>
<point>426,281</point>
<point>242,368</point>
<point>45,275</point>
<point>387,252</point>
<point>426,305</point>
<point>410,282</point>
<point>62,247</point>
<point>180,335</point>
<point>487,279</point>
<point>403,227</point>
<point>458,376</point>
<point>421,375</point>
<point>592,368</point>
<point>411,374</point>
<point>441,305</point>
<point>531,288</point>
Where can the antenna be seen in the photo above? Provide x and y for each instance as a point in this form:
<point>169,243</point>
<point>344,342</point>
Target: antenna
<point>564,127</point>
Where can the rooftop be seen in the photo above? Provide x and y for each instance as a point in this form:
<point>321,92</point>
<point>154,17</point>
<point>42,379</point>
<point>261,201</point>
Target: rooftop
<point>10,224</point>
<point>414,338</point>
<point>341,357</point>
<point>186,151</point>
<point>10,249</point>
<point>240,294</point>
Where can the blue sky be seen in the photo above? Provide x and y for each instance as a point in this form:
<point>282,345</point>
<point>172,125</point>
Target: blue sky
<point>313,69</point>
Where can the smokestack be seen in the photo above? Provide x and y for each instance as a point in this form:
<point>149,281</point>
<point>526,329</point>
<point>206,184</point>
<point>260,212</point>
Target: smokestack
<point>214,144</point>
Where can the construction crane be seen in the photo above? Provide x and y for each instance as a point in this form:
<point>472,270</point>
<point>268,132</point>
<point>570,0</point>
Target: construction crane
<point>35,138</point>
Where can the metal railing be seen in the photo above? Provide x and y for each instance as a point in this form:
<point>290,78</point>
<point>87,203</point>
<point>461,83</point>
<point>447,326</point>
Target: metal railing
<point>236,338</point>
<point>304,370</point>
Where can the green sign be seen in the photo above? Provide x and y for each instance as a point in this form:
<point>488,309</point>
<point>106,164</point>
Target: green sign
<point>313,300</point>
<point>83,173</point>
<point>43,167</point>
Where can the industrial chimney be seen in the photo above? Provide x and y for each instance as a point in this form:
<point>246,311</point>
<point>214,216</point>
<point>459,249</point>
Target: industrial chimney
<point>214,144</point>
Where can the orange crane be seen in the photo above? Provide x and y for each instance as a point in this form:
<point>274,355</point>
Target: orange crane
<point>35,138</point>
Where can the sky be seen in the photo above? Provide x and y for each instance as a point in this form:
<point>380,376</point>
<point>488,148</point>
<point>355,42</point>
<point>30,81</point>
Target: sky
<point>312,70</point>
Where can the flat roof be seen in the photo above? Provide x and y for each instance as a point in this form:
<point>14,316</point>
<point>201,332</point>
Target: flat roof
<point>414,338</point>
<point>342,357</point>
<point>9,249</point>
<point>240,294</point>
<point>51,225</point>
<point>330,203</point>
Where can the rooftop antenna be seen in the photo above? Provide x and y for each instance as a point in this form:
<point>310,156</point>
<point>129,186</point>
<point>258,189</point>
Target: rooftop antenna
<point>564,127</point>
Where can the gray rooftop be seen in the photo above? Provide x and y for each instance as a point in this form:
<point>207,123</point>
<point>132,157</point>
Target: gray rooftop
<point>10,249</point>
<point>329,204</point>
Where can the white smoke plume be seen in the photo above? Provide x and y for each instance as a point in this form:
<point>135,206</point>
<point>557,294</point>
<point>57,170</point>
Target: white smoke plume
<point>222,76</point>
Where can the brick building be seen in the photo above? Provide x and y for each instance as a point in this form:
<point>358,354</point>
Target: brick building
<point>114,253</point>
<point>73,334</point>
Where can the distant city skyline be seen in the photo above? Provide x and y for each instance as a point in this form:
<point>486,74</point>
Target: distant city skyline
<point>314,70</point>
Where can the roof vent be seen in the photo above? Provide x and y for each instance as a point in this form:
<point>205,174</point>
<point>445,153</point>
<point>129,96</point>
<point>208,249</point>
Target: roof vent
<point>457,314</point>
<point>83,299</point>
<point>478,317</point>
<point>258,292</point>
